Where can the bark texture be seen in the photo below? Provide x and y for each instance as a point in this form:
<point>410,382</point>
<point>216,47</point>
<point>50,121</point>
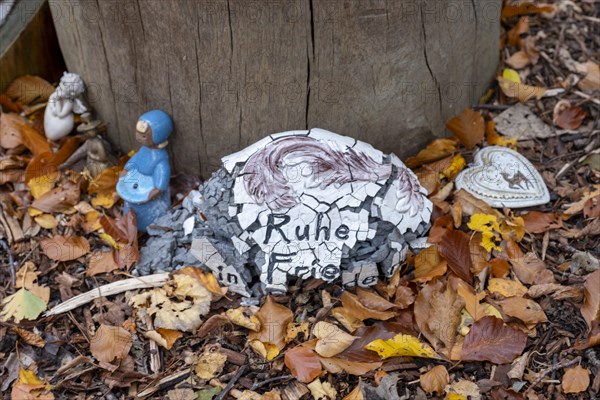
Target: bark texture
<point>230,72</point>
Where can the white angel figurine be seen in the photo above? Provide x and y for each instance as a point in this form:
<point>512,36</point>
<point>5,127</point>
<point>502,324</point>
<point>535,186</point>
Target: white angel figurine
<point>66,101</point>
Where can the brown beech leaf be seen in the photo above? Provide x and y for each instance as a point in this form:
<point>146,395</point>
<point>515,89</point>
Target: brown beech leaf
<point>11,125</point>
<point>591,304</point>
<point>59,199</point>
<point>570,118</point>
<point>101,262</point>
<point>539,222</point>
<point>332,340</point>
<point>303,363</point>
<point>437,311</point>
<point>490,340</point>
<point>531,270</point>
<point>110,344</point>
<point>29,89</point>
<point>404,297</point>
<point>358,310</point>
<point>520,59</point>
<point>514,35</point>
<point>520,90</point>
<point>436,150</point>
<point>373,301</point>
<point>515,8</point>
<point>468,127</point>
<point>336,365</point>
<point>434,380</point>
<point>472,205</point>
<point>429,264</point>
<point>576,380</point>
<point>274,319</point>
<point>63,248</point>
<point>356,352</point>
<point>526,310</point>
<point>500,267</point>
<point>454,247</point>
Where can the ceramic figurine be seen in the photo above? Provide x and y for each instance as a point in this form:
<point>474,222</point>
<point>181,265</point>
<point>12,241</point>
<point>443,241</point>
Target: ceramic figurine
<point>144,182</point>
<point>96,151</point>
<point>66,101</point>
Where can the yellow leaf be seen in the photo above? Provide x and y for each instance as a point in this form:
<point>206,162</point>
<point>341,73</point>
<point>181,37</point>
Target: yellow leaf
<point>506,287</point>
<point>266,350</point>
<point>28,377</point>
<point>322,390</point>
<point>22,305</point>
<point>105,199</point>
<point>519,90</point>
<point>42,184</point>
<point>488,226</point>
<point>401,345</point>
<point>34,212</point>
<point>210,364</point>
<point>457,165</point>
<point>511,75</point>
<point>112,242</point>
<point>46,221</point>
<point>454,396</point>
<point>165,337</point>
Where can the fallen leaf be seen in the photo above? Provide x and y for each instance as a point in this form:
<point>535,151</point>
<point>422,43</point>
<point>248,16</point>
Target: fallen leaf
<point>434,380</point>
<point>521,27</point>
<point>46,221</point>
<point>30,387</point>
<point>165,337</point>
<point>506,287</point>
<point>472,300</point>
<point>429,264</point>
<point>519,90</point>
<point>208,280</point>
<point>570,118</point>
<point>472,205</point>
<point>491,340</point>
<point>303,363</point>
<point>519,59</point>
<point>526,310</point>
<point>185,394</point>
<point>355,308</point>
<point>591,208</point>
<point>336,365</point>
<point>332,340</point>
<point>109,345</point>
<point>539,222</point>
<point>29,89</point>
<point>591,81</point>
<point>238,317</point>
<point>41,185</point>
<point>576,380</point>
<point>468,127</point>
<point>29,337</point>
<point>11,125</point>
<point>516,8</point>
<point>178,305</point>
<point>556,291</point>
<point>404,297</point>
<point>101,262</point>
<point>22,305</point>
<point>59,199</point>
<point>345,317</point>
<point>454,247</point>
<point>500,267</point>
<point>274,320</point>
<point>493,139</point>
<point>465,389</point>
<point>531,270</point>
<point>295,329</point>
<point>590,310</point>
<point>434,151</point>
<point>356,393</point>
<point>27,277</point>
<point>373,301</point>
<point>210,364</point>
<point>63,248</point>
<point>457,165</point>
<point>437,312</point>
<point>489,228</point>
<point>322,390</point>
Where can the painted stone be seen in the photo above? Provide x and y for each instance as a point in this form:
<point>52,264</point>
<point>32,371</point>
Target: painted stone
<point>66,101</point>
<point>503,178</point>
<point>144,181</point>
<point>310,204</point>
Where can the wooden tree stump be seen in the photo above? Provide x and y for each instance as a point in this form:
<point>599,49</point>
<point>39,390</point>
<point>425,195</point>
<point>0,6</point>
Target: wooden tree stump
<point>390,73</point>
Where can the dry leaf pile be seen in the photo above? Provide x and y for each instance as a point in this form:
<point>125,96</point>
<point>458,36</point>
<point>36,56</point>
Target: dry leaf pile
<point>503,304</point>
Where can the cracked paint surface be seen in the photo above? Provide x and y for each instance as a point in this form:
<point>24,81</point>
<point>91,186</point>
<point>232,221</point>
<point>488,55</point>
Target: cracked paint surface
<point>311,204</point>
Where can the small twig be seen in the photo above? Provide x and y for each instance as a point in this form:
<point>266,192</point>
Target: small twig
<point>11,263</point>
<point>271,380</point>
<point>552,368</point>
<point>493,107</point>
<point>232,382</point>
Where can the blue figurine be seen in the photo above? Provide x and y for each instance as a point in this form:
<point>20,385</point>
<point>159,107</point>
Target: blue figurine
<point>144,182</point>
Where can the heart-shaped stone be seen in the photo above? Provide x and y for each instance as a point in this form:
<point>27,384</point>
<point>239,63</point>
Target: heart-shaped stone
<point>503,178</point>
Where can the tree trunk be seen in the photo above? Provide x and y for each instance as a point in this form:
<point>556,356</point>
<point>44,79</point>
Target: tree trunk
<point>230,72</point>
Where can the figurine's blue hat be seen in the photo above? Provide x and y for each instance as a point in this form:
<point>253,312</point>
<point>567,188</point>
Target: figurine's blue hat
<point>161,124</point>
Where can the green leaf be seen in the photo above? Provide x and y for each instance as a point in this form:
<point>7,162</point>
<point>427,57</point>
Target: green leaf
<point>22,305</point>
